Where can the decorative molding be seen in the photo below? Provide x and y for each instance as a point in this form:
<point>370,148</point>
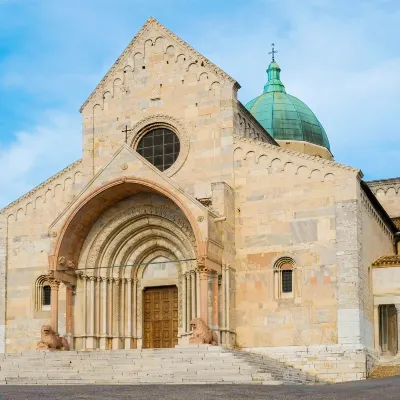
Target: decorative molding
<point>318,160</point>
<point>369,207</point>
<point>206,201</point>
<point>385,185</point>
<point>141,211</point>
<point>162,121</point>
<point>387,261</point>
<point>43,185</point>
<point>129,52</point>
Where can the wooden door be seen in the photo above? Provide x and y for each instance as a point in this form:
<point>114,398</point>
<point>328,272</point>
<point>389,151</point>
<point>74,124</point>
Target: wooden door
<point>160,317</point>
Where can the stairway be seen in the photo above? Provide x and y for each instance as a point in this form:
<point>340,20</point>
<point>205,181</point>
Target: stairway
<point>180,365</point>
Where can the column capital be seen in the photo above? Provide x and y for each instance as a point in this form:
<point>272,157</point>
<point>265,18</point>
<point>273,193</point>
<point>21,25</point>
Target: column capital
<point>397,306</point>
<point>129,280</point>
<point>54,284</point>
<point>203,272</point>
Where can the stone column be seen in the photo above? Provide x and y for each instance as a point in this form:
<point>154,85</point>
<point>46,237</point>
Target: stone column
<point>128,335</point>
<point>223,298</point>
<point>188,301</point>
<point>103,330</point>
<point>90,341</point>
<point>215,307</point>
<point>55,286</point>
<point>197,294</point>
<point>204,273</point>
<point>398,327</point>
<point>110,331</point>
<point>85,313</point>
<point>227,298</point>
<point>135,312</point>
<point>122,310</point>
<point>98,307</point>
<point>193,300</point>
<point>116,338</point>
<point>184,304</point>
<point>70,292</point>
<point>376,329</point>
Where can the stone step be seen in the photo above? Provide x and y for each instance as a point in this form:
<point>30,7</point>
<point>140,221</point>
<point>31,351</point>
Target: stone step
<point>181,365</point>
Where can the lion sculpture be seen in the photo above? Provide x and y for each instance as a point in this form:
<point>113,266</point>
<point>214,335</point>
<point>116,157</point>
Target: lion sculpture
<point>49,340</point>
<point>202,334</point>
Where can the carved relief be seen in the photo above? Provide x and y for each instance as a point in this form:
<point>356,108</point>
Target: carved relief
<point>50,340</point>
<point>202,333</point>
<point>139,216</point>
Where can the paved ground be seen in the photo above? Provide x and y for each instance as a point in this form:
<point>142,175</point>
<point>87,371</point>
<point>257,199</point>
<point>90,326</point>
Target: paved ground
<point>381,389</point>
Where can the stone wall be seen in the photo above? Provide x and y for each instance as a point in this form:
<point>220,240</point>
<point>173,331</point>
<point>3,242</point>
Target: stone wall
<point>25,241</point>
<point>161,81</point>
<point>288,204</point>
<point>386,285</point>
<point>376,239</point>
<point>387,192</point>
<point>330,363</point>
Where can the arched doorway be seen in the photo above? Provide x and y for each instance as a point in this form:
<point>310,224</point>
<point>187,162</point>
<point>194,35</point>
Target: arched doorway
<point>138,244</point>
<point>120,241</point>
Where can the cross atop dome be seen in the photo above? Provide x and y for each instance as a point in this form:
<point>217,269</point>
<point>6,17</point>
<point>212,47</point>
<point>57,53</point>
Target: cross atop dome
<point>273,52</point>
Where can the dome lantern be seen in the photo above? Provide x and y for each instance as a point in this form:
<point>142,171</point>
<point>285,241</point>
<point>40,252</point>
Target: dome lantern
<point>286,118</point>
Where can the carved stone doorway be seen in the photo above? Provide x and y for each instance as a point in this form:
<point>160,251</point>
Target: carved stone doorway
<point>160,317</point>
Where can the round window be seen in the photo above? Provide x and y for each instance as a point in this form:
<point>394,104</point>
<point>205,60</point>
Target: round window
<point>160,147</point>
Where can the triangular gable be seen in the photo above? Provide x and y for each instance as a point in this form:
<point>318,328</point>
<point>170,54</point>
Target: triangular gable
<point>127,162</point>
<point>153,23</point>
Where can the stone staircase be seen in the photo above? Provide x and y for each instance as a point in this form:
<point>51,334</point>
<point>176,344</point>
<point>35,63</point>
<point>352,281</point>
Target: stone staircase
<point>180,365</point>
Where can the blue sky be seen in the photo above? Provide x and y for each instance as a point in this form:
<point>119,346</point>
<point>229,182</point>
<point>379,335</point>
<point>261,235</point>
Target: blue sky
<point>342,58</point>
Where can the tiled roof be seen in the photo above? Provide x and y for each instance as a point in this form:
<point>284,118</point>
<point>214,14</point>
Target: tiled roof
<point>385,261</point>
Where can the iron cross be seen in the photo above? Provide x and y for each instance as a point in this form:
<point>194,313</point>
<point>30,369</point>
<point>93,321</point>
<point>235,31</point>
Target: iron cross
<point>273,52</point>
<point>126,130</point>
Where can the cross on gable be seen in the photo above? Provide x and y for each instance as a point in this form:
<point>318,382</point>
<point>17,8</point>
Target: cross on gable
<point>126,130</point>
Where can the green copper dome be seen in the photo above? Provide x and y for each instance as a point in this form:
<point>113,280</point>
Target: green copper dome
<point>284,116</point>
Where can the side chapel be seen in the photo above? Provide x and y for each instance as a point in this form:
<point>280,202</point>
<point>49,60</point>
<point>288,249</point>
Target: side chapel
<point>188,204</point>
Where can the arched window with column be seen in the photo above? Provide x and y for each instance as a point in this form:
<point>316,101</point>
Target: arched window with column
<point>42,294</point>
<point>284,278</point>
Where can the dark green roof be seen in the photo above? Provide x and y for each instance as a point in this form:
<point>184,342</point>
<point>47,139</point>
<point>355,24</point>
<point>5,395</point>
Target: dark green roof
<point>283,116</point>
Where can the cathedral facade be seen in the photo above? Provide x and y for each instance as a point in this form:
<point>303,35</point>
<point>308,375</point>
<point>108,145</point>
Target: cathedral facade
<point>188,204</point>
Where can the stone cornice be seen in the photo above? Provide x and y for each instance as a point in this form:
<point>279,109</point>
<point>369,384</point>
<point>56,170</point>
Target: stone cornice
<point>318,160</point>
<point>384,184</point>
<point>387,261</point>
<point>41,186</point>
<point>152,22</point>
<point>379,182</point>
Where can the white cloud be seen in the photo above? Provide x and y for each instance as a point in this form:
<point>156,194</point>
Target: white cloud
<point>38,153</point>
<point>341,60</point>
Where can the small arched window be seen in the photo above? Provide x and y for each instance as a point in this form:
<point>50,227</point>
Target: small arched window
<point>46,295</point>
<point>42,294</point>
<point>284,278</point>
